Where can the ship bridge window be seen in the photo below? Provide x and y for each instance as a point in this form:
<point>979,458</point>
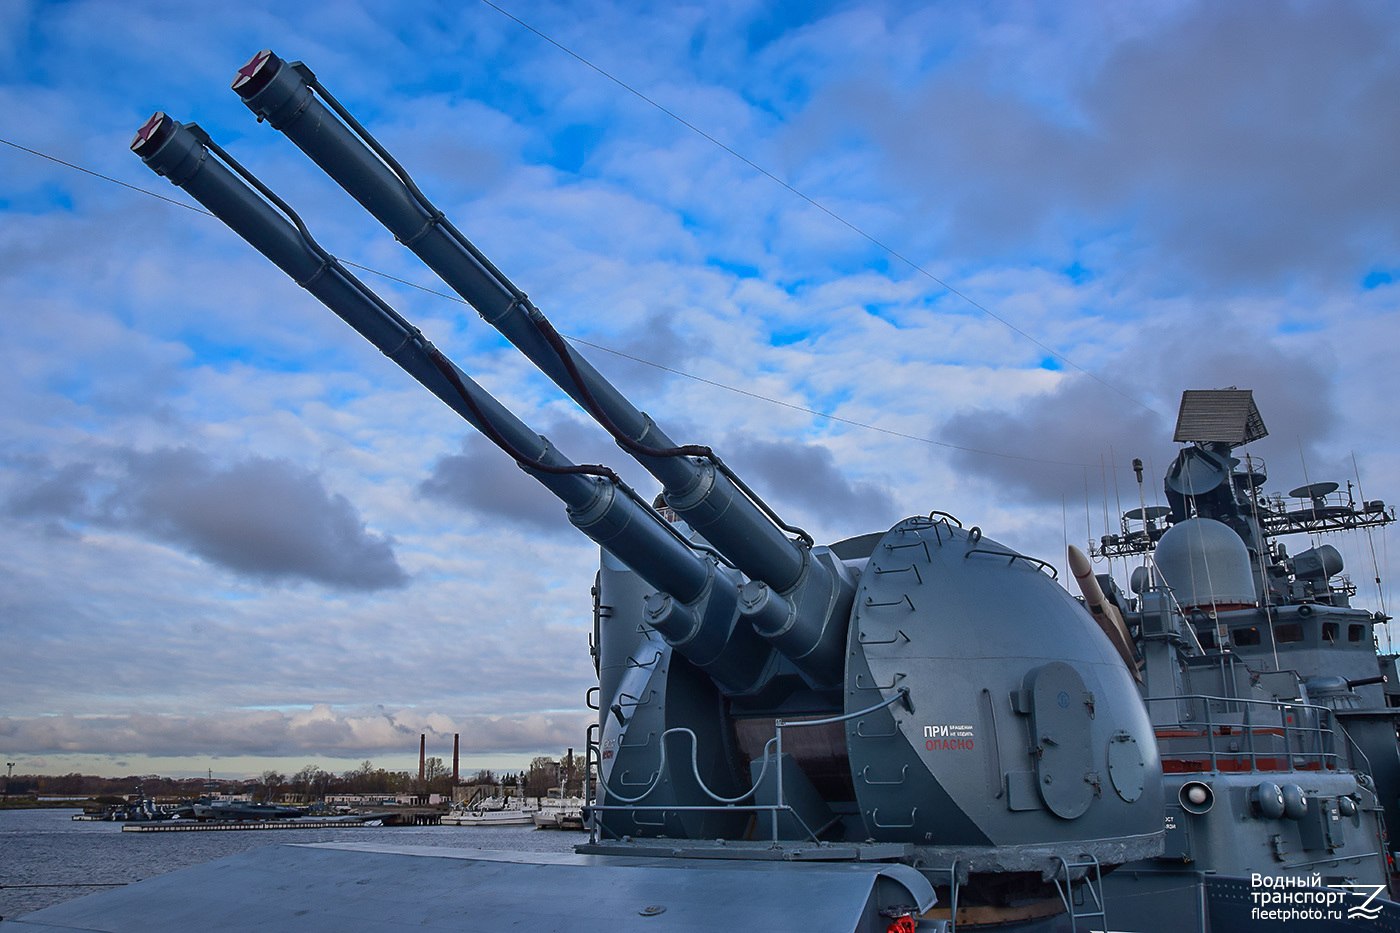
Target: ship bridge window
<point>1289,632</point>
<point>1329,632</point>
<point>1356,632</point>
<point>1244,637</point>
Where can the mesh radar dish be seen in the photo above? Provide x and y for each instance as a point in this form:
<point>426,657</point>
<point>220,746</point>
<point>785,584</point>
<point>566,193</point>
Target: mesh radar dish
<point>1226,416</point>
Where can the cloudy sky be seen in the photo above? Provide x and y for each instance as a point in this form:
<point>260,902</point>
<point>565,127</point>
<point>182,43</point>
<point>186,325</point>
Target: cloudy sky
<point>234,536</point>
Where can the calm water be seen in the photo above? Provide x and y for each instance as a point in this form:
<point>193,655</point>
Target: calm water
<point>48,847</point>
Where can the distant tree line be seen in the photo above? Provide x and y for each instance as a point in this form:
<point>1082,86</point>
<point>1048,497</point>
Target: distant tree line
<point>87,785</point>
<point>550,774</point>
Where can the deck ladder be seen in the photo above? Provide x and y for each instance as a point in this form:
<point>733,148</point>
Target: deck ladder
<point>1093,903</point>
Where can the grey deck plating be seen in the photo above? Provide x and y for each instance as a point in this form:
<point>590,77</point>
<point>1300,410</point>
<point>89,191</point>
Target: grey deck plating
<point>347,886</point>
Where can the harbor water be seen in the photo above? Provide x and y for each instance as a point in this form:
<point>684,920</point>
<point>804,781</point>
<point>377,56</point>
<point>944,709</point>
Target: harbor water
<point>46,857</point>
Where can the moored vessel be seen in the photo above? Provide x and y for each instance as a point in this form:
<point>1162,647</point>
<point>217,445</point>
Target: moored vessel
<point>489,811</point>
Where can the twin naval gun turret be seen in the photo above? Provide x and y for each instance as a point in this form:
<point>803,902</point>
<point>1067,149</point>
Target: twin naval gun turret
<point>921,696</point>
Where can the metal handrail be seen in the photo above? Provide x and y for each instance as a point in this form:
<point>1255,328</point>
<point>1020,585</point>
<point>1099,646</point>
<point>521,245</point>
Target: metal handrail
<point>591,759</point>
<point>1321,732</point>
<point>723,803</point>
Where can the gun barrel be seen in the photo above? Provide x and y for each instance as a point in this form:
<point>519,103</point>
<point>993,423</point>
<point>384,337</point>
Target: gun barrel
<point>701,619</point>
<point>286,96</point>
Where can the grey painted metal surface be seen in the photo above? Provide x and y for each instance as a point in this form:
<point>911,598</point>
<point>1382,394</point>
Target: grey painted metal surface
<point>347,887</point>
<point>1017,696</point>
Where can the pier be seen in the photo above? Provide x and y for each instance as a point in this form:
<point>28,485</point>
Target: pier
<point>173,826</point>
<point>411,818</point>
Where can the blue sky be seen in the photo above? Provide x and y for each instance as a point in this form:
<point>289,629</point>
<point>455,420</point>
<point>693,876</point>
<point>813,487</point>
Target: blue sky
<point>232,535</point>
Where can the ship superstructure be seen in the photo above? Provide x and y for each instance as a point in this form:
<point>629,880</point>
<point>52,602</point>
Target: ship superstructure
<point>1265,689</point>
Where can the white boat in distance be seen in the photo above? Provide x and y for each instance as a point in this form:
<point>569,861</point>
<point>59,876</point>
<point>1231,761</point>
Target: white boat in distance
<point>493,811</point>
<point>560,813</point>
